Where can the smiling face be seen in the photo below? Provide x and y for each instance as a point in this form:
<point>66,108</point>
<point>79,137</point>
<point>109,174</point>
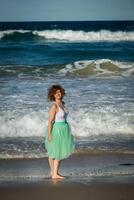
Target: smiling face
<point>56,92</point>
<point>58,95</point>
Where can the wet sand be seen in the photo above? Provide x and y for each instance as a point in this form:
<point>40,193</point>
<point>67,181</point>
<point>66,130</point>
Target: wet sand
<point>93,192</point>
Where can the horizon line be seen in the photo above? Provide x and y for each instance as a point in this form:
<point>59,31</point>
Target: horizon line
<point>69,20</point>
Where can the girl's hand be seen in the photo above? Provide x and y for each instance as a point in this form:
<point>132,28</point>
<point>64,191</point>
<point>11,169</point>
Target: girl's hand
<point>49,138</point>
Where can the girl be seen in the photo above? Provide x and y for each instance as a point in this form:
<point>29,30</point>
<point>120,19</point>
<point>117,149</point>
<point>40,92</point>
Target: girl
<point>59,141</point>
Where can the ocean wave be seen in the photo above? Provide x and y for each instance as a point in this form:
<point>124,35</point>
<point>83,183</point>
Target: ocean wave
<point>28,71</point>
<point>85,125</point>
<point>98,68</point>
<point>68,35</point>
<point>101,68</point>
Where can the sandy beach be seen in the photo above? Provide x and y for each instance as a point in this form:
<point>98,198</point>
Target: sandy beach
<point>94,192</point>
<point>85,177</point>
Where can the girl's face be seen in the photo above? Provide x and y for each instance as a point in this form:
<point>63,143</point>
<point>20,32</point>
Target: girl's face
<point>58,95</point>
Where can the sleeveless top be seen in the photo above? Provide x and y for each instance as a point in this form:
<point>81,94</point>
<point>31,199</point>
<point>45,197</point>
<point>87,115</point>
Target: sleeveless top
<point>61,115</point>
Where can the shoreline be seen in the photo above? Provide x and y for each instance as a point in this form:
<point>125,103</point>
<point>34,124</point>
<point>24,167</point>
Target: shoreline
<point>30,178</point>
<point>75,166</point>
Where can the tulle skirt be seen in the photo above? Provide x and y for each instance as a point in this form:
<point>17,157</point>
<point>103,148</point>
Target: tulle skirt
<point>62,143</point>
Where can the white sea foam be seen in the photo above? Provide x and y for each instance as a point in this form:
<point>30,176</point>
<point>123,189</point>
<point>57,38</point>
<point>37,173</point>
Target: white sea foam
<point>87,123</point>
<point>74,36</point>
<point>26,125</point>
<point>102,35</point>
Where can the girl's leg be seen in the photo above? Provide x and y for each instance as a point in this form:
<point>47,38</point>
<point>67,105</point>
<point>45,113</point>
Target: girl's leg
<point>51,163</point>
<point>55,170</point>
<point>56,167</point>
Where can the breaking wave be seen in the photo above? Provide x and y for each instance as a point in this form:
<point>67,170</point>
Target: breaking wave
<point>85,68</point>
<point>68,35</point>
<point>98,68</point>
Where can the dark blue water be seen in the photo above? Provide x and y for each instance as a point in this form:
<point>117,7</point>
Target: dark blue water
<point>46,43</point>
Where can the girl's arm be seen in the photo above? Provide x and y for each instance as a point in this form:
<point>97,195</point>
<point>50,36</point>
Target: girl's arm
<point>52,113</point>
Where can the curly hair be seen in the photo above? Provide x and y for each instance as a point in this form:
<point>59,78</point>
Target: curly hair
<point>52,91</point>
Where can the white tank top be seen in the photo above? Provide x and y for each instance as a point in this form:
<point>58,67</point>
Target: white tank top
<point>61,115</point>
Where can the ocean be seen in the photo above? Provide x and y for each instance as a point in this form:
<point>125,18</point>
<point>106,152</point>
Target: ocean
<point>92,60</point>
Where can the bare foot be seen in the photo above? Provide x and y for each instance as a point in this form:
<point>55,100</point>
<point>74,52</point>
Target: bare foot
<point>61,176</point>
<point>57,176</point>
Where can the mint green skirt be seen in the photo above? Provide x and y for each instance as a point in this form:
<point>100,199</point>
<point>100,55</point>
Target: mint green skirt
<point>62,143</point>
